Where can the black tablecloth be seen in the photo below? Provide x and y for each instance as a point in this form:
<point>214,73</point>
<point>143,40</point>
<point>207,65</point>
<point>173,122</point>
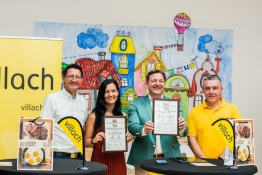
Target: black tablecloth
<point>176,168</point>
<point>61,166</point>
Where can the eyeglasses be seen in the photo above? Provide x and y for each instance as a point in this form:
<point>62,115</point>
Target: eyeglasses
<point>71,77</point>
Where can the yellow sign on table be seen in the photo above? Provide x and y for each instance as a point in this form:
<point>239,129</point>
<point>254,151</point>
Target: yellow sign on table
<point>226,132</point>
<point>73,129</point>
<point>30,68</point>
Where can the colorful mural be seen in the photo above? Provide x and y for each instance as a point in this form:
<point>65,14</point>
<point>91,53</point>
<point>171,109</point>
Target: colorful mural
<point>128,53</point>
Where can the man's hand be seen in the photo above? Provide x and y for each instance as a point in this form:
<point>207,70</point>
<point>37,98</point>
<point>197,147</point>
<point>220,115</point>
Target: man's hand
<point>222,155</point>
<point>181,124</point>
<point>148,127</point>
<point>193,144</point>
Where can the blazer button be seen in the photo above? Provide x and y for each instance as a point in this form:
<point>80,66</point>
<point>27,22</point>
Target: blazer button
<point>154,146</point>
<point>137,133</point>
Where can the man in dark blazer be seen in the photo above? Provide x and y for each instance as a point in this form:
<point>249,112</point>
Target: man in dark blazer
<point>146,145</point>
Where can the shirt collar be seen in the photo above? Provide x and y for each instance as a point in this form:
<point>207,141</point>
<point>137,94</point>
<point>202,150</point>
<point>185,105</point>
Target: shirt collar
<point>69,95</point>
<point>151,99</point>
<point>220,106</point>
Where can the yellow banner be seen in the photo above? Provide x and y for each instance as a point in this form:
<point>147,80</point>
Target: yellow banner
<point>30,69</point>
<point>74,131</point>
<point>226,131</point>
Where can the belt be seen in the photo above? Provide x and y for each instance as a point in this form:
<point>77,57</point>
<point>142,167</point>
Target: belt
<point>158,155</point>
<point>71,155</point>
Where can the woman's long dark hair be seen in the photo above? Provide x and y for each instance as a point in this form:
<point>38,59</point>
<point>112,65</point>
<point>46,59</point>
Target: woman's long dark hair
<point>100,108</point>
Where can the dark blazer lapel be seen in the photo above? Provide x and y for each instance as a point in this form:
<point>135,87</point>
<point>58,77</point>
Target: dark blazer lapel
<point>148,107</point>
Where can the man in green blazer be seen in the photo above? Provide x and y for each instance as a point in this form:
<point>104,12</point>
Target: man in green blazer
<point>146,145</point>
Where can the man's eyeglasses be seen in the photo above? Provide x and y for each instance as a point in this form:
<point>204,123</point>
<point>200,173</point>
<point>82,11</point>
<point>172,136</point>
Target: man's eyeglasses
<point>71,77</point>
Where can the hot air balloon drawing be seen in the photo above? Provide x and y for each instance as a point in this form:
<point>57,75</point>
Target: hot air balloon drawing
<point>181,21</point>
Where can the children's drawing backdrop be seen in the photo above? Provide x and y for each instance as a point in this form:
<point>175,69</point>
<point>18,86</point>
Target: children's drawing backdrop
<point>127,53</point>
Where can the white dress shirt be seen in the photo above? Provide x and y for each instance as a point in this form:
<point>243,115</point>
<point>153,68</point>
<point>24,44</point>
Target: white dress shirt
<point>59,105</point>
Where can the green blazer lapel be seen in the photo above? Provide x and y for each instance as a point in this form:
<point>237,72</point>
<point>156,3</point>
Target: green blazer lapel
<point>148,107</point>
<point>165,97</point>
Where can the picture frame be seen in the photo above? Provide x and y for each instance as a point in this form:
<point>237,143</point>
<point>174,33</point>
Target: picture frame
<point>165,116</point>
<point>114,128</point>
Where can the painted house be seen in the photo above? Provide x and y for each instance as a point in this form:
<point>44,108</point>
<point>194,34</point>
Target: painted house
<point>150,62</point>
<point>195,92</point>
<point>123,52</point>
<point>128,96</point>
<point>177,87</point>
<point>94,73</point>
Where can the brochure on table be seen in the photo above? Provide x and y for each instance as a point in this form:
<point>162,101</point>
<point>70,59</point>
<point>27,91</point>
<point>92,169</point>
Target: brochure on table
<point>35,144</point>
<point>244,142</point>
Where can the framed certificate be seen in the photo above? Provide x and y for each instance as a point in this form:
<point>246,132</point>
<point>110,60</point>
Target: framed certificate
<point>165,116</point>
<point>114,128</point>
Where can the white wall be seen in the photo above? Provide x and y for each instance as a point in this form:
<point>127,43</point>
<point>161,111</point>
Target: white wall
<point>242,16</point>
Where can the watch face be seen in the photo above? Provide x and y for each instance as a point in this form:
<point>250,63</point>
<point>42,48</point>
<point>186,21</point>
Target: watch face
<point>34,156</point>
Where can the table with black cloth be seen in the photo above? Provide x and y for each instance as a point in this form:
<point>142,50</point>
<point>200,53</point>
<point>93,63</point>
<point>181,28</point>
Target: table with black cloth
<point>176,168</point>
<point>61,166</point>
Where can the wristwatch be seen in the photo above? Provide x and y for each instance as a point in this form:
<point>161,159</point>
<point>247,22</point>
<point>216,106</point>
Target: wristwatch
<point>92,141</point>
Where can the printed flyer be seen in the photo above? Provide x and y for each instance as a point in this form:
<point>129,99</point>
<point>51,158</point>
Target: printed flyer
<point>35,144</point>
<point>244,142</point>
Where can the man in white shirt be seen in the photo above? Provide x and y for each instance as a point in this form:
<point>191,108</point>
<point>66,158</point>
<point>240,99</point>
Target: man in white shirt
<point>66,103</point>
<point>146,145</point>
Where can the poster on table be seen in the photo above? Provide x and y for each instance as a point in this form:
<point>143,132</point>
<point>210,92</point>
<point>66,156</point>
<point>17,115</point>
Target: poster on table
<point>244,142</point>
<point>35,144</point>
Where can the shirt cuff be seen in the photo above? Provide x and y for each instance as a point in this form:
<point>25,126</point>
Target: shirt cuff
<point>181,133</point>
<point>143,132</point>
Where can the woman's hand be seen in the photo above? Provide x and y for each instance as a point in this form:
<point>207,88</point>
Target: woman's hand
<point>128,136</point>
<point>99,137</point>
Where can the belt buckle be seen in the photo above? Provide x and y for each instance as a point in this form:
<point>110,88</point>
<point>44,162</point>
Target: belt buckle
<point>73,155</point>
<point>158,155</point>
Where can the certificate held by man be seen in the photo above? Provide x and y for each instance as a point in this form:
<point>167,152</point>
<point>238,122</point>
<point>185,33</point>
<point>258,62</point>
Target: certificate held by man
<point>115,130</point>
<point>165,116</point>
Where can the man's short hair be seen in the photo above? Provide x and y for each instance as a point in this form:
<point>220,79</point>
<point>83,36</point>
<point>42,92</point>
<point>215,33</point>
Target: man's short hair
<point>212,77</point>
<point>70,66</point>
<point>154,72</point>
